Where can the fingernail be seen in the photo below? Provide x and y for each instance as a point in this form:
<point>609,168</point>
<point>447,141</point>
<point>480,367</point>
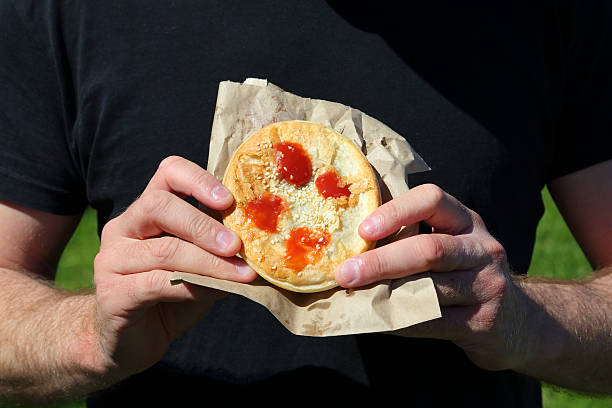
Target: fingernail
<point>225,239</point>
<point>244,270</point>
<point>350,272</point>
<point>371,225</point>
<point>220,193</point>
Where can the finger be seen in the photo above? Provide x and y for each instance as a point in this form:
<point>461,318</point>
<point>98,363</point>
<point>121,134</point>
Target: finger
<point>427,203</point>
<point>157,212</point>
<point>152,287</point>
<point>420,253</point>
<point>184,178</point>
<point>171,253</point>
<point>454,324</point>
<point>183,316</point>
<point>404,232</point>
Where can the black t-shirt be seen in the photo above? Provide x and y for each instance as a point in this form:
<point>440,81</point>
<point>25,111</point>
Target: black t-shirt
<point>498,98</point>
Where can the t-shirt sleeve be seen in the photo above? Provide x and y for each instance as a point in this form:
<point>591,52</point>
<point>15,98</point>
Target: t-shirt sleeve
<point>37,168</point>
<point>585,129</point>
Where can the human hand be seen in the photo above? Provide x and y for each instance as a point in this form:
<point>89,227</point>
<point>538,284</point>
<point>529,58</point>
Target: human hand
<point>482,307</point>
<point>139,313</point>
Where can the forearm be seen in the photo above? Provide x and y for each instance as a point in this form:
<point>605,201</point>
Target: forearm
<point>568,331</point>
<point>49,348</point>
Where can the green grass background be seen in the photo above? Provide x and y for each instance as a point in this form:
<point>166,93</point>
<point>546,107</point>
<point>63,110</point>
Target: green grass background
<point>556,255</point>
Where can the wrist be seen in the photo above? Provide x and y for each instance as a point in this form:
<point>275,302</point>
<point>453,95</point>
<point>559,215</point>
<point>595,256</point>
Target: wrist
<point>544,339</point>
<point>91,364</point>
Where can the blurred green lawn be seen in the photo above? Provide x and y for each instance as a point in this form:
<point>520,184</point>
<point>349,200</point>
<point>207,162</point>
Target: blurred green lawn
<point>556,255</point>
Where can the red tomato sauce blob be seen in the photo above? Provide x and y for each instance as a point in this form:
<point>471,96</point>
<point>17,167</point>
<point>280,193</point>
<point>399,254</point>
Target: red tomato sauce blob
<point>305,246</point>
<point>329,185</point>
<point>293,163</point>
<point>264,211</point>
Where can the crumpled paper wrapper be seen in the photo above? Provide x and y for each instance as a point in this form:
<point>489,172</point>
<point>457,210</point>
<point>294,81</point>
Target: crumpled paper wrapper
<point>385,306</point>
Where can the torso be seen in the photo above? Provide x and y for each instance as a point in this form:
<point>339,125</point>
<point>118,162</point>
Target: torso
<point>146,82</point>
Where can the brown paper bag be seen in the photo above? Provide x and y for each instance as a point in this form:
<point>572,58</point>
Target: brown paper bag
<point>385,306</point>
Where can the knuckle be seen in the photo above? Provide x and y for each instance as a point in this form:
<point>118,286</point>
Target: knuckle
<point>202,178</point>
<point>201,228</point>
<point>450,287</point>
<point>434,193</point>
<point>431,249</point>
<point>497,286</point>
<point>100,261</point>
<point>373,265</point>
<point>164,249</point>
<point>390,214</point>
<point>169,162</point>
<point>146,289</point>
<point>481,322</point>
<point>153,285</point>
<point>103,284</point>
<point>486,319</point>
<point>98,282</point>
<point>477,219</point>
<point>216,266</point>
<point>107,231</point>
<point>495,250</point>
<point>154,202</point>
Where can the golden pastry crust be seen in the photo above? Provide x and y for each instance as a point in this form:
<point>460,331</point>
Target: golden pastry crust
<point>252,173</point>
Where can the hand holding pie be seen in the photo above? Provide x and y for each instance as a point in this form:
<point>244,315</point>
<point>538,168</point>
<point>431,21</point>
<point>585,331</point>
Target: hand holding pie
<point>301,190</point>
